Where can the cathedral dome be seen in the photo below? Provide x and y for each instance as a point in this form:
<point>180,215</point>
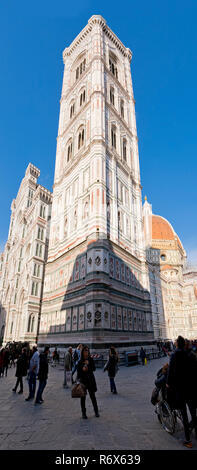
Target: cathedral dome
<point>163,230</point>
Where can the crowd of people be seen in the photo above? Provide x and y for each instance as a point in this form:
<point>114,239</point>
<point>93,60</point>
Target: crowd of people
<point>177,379</point>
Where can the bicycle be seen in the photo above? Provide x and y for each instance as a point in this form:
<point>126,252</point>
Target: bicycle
<point>168,418</point>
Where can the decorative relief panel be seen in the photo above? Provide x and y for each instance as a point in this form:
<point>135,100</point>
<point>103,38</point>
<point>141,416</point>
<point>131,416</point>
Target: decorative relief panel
<point>125,319</point>
<point>68,319</point>
<point>119,318</point>
<point>81,318</point>
<point>113,317</point>
<point>89,316</point>
<point>74,318</point>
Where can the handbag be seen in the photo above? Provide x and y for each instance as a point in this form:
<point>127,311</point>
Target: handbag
<point>145,361</point>
<point>78,390</point>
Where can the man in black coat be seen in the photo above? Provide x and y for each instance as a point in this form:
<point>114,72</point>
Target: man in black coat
<point>21,370</point>
<point>42,375</point>
<point>182,385</point>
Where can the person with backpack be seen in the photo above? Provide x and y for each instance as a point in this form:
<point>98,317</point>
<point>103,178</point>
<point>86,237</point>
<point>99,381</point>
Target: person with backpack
<point>112,368</point>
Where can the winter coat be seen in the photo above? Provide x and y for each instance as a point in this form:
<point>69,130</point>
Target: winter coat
<point>87,377</point>
<point>112,366</point>
<point>21,366</point>
<point>68,361</point>
<point>43,368</point>
<point>182,377</point>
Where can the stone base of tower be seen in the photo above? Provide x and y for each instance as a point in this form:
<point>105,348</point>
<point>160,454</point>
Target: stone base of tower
<point>103,303</point>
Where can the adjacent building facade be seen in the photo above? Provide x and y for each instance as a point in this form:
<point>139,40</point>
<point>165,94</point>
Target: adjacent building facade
<point>23,260</point>
<point>173,285</point>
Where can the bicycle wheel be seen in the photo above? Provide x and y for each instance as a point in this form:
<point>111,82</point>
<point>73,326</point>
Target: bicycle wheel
<point>166,417</point>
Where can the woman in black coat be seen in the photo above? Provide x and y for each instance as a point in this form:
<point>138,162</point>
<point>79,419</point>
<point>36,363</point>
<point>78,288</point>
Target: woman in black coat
<point>112,368</point>
<point>85,375</point>
<point>21,370</point>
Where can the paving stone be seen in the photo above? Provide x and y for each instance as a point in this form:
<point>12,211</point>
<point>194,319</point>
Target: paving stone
<point>127,420</point>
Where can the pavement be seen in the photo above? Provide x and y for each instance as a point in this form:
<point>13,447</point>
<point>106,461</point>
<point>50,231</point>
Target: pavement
<point>127,420</point>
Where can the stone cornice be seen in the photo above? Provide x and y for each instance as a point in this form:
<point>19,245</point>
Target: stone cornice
<point>97,19</point>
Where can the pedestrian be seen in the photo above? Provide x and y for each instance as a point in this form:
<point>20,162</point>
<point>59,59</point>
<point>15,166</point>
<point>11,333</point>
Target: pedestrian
<point>6,360</point>
<point>1,362</point>
<point>21,371</point>
<point>67,365</point>
<point>33,372</point>
<point>42,374</point>
<point>85,375</point>
<point>182,383</point>
<point>142,355</point>
<point>76,357</point>
<point>112,368</point>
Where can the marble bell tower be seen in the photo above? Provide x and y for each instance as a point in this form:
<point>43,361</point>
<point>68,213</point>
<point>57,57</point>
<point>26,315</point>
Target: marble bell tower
<point>96,288</point>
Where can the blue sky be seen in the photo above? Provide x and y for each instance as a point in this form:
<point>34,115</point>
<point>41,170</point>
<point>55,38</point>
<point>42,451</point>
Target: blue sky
<point>163,39</point>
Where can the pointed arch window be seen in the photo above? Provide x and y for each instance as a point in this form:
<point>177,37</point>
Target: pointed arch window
<point>124,149</point>
<point>69,150</point>
<point>113,67</point>
<point>82,97</point>
<point>80,69</point>
<point>113,136</point>
<point>72,110</point>
<point>122,108</point>
<point>112,95</point>
<point>81,137</point>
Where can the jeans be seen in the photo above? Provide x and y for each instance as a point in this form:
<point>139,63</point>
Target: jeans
<point>19,381</point>
<point>32,384</point>
<point>94,402</point>
<point>42,385</point>
<point>112,384</point>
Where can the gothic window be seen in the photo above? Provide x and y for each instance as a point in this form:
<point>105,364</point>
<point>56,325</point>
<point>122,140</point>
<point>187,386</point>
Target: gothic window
<point>40,233</point>
<point>69,150</point>
<point>124,149</point>
<point>37,249</point>
<point>112,95</point>
<point>113,67</point>
<point>35,267</point>
<point>82,97</point>
<point>122,108</point>
<point>119,221</point>
<point>65,227</point>
<point>75,220</point>
<point>42,211</point>
<point>72,110</point>
<point>11,329</point>
<point>33,288</point>
<point>80,69</point>
<point>86,210</point>
<point>108,211</point>
<point>113,136</point>
<point>81,138</point>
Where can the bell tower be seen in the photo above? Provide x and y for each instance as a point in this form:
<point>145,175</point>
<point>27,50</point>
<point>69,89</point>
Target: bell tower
<point>96,282</point>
